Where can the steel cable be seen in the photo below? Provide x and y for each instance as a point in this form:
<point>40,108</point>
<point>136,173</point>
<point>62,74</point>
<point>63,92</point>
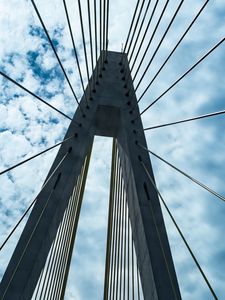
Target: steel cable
<point>186,175</point>
<point>96,41</point>
<point>32,203</point>
<point>83,39</point>
<point>221,112</point>
<point>107,30</point>
<point>90,35</point>
<point>34,95</point>
<point>108,264</point>
<point>36,155</point>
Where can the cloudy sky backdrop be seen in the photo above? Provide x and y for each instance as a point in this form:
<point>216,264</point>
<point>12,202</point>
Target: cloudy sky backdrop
<point>28,126</point>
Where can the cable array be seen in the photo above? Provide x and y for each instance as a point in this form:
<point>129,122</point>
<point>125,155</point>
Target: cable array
<point>186,175</point>
<point>75,50</point>
<point>152,37</point>
<point>42,212</point>
<point>101,45</point>
<point>131,43</point>
<point>184,75</point>
<point>122,278</point>
<point>174,49</point>
<point>54,50</point>
<point>53,278</point>
<point>33,202</point>
<point>181,234</point>
<point>159,44</point>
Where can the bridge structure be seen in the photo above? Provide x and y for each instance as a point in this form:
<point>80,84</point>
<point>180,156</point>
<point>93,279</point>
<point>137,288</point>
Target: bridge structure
<point>138,261</point>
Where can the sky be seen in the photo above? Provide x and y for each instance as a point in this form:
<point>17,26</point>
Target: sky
<point>28,126</point>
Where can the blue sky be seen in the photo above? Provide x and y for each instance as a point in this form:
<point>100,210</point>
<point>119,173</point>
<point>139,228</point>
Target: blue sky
<point>28,126</point>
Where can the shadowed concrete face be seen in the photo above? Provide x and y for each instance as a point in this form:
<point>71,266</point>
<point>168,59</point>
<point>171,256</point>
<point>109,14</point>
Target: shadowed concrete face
<point>107,120</point>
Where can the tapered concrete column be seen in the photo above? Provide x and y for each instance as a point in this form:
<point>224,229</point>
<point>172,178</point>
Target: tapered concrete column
<point>109,114</point>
